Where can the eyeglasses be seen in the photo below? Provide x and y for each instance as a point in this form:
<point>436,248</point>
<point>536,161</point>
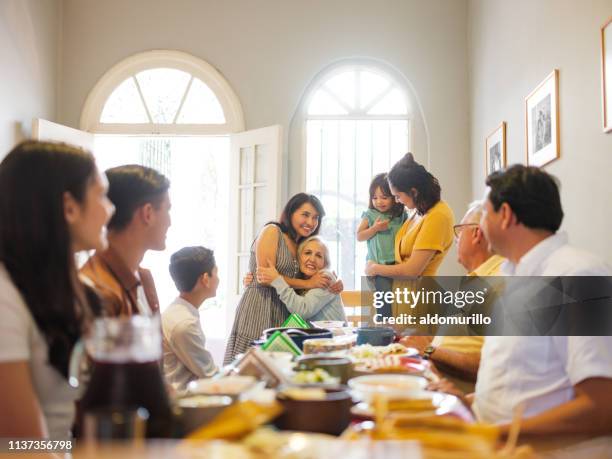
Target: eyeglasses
<point>458,228</point>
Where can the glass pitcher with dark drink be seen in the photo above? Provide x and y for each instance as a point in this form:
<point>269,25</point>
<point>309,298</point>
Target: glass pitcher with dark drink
<point>126,375</point>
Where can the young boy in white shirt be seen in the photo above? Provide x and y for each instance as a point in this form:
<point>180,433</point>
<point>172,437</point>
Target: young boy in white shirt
<point>185,357</point>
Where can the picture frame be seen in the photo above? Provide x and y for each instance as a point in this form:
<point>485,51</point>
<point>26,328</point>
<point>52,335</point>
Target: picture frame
<point>606,74</point>
<point>542,122</point>
<point>495,150</point>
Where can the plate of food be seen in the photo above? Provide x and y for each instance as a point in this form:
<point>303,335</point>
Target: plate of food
<point>438,436</point>
<point>315,376</point>
<point>326,345</point>
<point>329,324</point>
<point>231,386</point>
<point>391,364</point>
<point>429,404</point>
<point>391,386</point>
<point>367,351</point>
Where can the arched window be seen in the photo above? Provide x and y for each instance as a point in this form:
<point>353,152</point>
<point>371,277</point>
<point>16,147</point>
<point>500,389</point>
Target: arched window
<point>162,96</point>
<point>173,112</point>
<point>162,92</point>
<point>358,124</point>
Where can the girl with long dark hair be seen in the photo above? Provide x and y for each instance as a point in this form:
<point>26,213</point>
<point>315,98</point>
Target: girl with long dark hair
<point>52,204</point>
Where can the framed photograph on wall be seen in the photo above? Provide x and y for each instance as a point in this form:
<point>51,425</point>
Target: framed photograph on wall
<point>606,74</point>
<point>542,121</point>
<point>495,149</point>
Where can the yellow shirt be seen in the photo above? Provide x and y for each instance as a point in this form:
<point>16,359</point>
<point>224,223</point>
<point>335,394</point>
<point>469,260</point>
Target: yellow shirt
<point>473,344</point>
<point>464,344</point>
<point>432,231</point>
<point>490,267</point>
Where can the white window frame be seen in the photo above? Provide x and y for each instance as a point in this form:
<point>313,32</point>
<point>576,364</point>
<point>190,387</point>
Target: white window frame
<point>234,127</point>
<point>336,68</point>
<point>232,110</point>
<point>358,113</point>
<point>413,106</point>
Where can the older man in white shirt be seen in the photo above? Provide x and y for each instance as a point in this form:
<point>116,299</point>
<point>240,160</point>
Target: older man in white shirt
<point>185,356</point>
<point>564,383</point>
<point>458,357</point>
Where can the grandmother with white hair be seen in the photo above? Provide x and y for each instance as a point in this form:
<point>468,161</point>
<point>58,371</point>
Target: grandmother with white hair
<point>316,304</point>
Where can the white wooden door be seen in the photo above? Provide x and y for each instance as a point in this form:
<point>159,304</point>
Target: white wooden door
<point>50,131</point>
<point>254,198</point>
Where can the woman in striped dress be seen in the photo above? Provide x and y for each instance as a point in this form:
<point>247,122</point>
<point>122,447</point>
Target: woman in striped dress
<point>260,306</point>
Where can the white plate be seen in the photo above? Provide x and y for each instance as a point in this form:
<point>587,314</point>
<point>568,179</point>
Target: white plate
<point>328,324</point>
<point>378,351</point>
<point>442,404</point>
<point>228,385</point>
<point>365,387</point>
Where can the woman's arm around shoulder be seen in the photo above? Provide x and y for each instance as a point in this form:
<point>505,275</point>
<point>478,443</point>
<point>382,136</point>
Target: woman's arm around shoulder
<point>319,280</point>
<point>307,305</point>
<point>266,245</point>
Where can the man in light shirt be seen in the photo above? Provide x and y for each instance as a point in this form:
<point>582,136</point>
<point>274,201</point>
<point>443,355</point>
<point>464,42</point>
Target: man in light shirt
<point>185,356</point>
<point>458,357</point>
<point>563,383</point>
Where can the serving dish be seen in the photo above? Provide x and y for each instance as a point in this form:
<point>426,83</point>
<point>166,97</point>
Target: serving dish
<point>330,415</point>
<point>298,335</point>
<point>326,345</point>
<point>194,411</point>
<point>339,367</point>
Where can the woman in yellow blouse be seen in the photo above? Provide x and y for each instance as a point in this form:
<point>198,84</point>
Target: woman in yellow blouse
<point>424,239</point>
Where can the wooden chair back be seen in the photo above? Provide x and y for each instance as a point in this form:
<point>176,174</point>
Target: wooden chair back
<point>354,307</point>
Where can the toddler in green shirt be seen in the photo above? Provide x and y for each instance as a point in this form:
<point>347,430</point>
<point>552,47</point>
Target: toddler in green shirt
<point>379,225</point>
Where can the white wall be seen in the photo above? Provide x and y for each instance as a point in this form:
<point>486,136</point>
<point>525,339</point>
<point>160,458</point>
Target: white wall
<point>270,50</point>
<point>29,39</point>
<point>513,46</point>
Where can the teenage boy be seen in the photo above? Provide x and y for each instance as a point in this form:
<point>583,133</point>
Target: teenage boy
<point>140,223</point>
<point>185,356</point>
